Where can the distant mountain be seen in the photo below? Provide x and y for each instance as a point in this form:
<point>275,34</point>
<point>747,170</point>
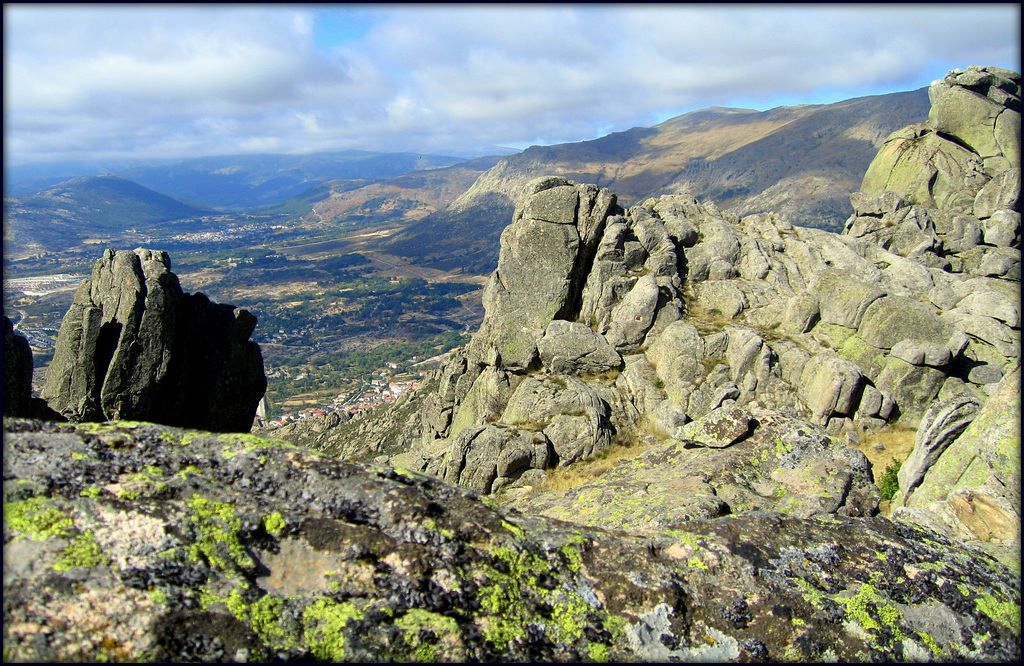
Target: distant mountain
<point>27,178</point>
<point>231,182</point>
<point>406,198</point>
<point>68,213</point>
<point>244,182</point>
<point>801,162</point>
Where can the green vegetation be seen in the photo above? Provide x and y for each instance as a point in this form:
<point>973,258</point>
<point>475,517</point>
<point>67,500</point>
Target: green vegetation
<point>34,519</point>
<point>325,622</point>
<point>890,482</point>
<point>83,552</point>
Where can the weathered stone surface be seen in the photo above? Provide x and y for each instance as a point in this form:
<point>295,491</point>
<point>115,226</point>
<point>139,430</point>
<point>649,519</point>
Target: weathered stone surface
<point>830,385</point>
<point>569,412</point>
<point>155,544</point>
<point>843,299</point>
<point>893,319</point>
<point>981,108</point>
<point>973,490</point>
<point>718,429</point>
<point>917,163</point>
<point>1000,193</point>
<point>17,373</point>
<point>573,348</point>
<point>133,345</point>
<point>942,423</point>
<point>487,458</point>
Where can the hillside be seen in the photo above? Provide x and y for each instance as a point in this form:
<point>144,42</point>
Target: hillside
<point>800,162</point>
<point>242,182</point>
<point>69,213</point>
<point>408,197</point>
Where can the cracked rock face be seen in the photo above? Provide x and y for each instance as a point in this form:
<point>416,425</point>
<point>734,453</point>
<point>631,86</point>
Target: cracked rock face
<point>134,346</point>
<point>134,542</point>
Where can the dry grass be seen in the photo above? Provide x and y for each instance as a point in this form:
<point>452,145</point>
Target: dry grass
<point>897,443</point>
<point>566,478</point>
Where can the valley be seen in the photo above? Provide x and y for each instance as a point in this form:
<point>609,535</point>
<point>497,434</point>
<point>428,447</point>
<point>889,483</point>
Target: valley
<point>332,313</point>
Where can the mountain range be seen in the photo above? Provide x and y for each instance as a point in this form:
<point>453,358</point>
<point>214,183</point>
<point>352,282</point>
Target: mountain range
<point>800,162</point>
<point>66,214</point>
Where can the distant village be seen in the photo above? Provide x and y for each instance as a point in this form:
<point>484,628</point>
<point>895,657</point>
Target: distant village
<point>382,389</point>
<point>229,233</point>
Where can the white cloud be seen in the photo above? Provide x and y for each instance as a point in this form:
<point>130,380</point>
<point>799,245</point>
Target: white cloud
<point>185,80</point>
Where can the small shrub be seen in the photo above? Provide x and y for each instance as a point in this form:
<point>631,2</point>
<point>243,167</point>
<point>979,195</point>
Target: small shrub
<point>889,484</point>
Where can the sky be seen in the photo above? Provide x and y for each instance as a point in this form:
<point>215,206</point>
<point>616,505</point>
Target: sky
<point>94,82</point>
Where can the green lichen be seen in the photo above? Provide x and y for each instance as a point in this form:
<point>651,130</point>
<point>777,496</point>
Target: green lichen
<point>859,607</point>
<point>423,630</point>
<point>518,531</point>
<point>78,456</point>
<point>324,631</point>
<point>233,602</point>
<point>598,652</point>
<point>781,448</point>
<point>83,552</point>
<point>507,599</point>
<point>94,491</point>
<point>250,443</point>
<point>34,519</point>
<point>431,525</point>
<point>930,643</point>
<point>191,469</point>
<point>572,556</point>
<point>696,563</point>
<point>99,428</point>
<point>1005,613</point>
<point>218,540</point>
<point>274,523</point>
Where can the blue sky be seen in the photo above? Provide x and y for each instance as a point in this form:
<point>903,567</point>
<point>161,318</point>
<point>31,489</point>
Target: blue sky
<point>155,81</point>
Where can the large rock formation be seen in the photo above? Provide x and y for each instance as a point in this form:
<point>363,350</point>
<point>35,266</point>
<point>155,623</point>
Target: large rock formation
<point>607,325</point>
<point>134,346</point>
<point>972,135</point>
<point>134,542</point>
<point>603,324</point>
<point>742,350</point>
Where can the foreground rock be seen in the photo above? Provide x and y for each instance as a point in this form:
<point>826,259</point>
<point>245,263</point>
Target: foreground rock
<point>127,542</point>
<point>134,346</point>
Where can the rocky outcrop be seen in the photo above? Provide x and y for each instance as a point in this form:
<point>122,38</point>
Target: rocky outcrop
<point>649,318</point>
<point>134,542</point>
<point>972,135</point>
<point>134,346</point>
<point>714,338</point>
